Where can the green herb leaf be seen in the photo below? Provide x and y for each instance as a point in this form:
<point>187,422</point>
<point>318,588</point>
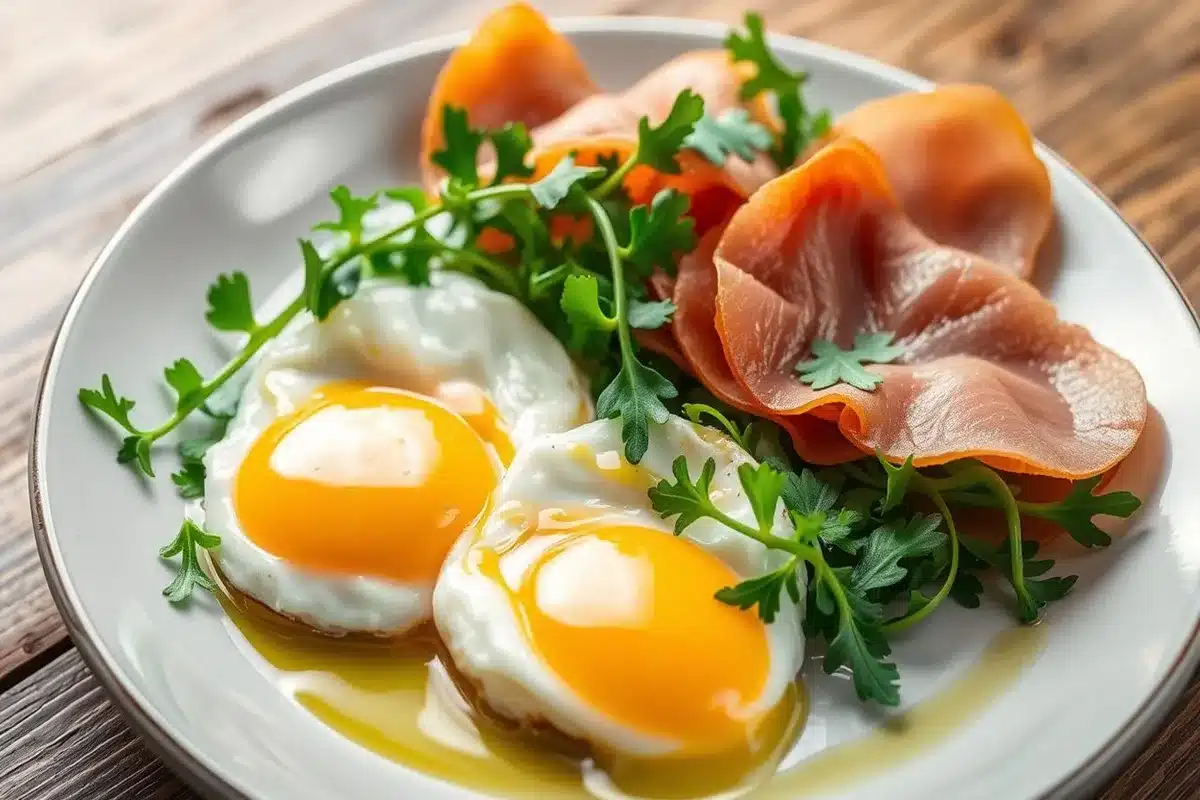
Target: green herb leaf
<point>314,269</point>
<point>189,480</point>
<point>762,485</point>
<point>109,403</point>
<point>658,146</point>
<point>831,365</point>
<point>659,232</point>
<point>351,210</point>
<point>186,380</point>
<point>1075,511</point>
<point>898,478</point>
<point>648,316</point>
<point>800,127</point>
<point>690,500</point>
<point>765,591</point>
<point>888,544</point>
<point>732,133</point>
<point>858,642</point>
<point>560,181</point>
<point>636,396</point>
<point>590,327</point>
<point>460,155</point>
<point>229,307</point>
<point>190,575</point>
<point>512,143</point>
<point>135,449</point>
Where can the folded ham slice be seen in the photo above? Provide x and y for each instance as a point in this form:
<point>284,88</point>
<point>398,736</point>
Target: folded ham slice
<point>988,371</point>
<point>962,164</point>
<point>515,68</point>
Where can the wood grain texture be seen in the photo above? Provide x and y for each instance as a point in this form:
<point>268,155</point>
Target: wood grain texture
<point>101,99</point>
<point>60,738</point>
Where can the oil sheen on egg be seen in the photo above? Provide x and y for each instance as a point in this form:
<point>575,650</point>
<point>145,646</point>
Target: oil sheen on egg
<point>572,607</point>
<point>363,446</point>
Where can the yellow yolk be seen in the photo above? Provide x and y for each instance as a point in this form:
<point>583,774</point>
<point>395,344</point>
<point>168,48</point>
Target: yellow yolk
<point>625,616</point>
<point>368,480</point>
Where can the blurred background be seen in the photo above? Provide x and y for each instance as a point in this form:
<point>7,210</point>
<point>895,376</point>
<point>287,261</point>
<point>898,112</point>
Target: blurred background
<point>99,99</point>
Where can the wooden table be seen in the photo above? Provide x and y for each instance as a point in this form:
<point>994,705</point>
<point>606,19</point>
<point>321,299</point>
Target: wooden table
<point>98,100</point>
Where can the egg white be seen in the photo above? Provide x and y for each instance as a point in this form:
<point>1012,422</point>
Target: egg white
<point>395,335</point>
<point>474,615</point>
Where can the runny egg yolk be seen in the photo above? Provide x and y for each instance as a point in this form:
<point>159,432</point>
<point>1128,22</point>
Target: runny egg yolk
<point>371,480</point>
<point>625,617</point>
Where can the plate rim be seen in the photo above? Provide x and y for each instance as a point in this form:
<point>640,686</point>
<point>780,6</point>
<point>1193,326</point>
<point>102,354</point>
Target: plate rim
<point>196,768</point>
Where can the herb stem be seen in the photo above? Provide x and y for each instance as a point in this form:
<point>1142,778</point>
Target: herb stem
<point>926,486</point>
<point>494,269</point>
<point>620,301</point>
<point>979,475</point>
<point>258,338</point>
<point>614,180</point>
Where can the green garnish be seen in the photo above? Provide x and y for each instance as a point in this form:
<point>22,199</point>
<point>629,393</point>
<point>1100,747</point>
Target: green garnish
<point>851,620</point>
<point>190,575</point>
<point>732,133</point>
<point>831,364</point>
<point>800,126</point>
<point>848,543</point>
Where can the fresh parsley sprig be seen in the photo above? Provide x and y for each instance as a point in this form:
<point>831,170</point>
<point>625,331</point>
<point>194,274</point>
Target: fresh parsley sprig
<point>855,639</point>
<point>191,574</point>
<point>658,146</point>
<point>801,127</point>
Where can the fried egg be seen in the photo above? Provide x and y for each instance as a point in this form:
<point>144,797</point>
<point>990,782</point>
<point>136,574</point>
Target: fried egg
<point>572,605</point>
<point>364,445</point>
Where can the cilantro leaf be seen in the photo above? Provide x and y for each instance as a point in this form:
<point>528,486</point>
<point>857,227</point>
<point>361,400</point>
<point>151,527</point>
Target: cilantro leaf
<point>185,379</point>
<point>658,145</point>
<point>190,574</point>
<point>858,643</point>
<point>109,403</point>
<point>690,500</point>
<point>460,155</point>
<point>732,133</point>
<point>351,210</point>
<point>512,143</point>
<point>660,231</point>
<point>879,565</point>
<point>809,496</point>
<point>1075,511</point>
<point>314,268</point>
<point>762,485</point>
<point>326,286</point>
<point>189,480</point>
<point>648,316</point>
<point>636,396</point>
<point>831,365</point>
<point>765,591</point>
<point>560,181</point>
<point>580,302</point>
<point>799,126</point>
<point>135,449</point>
<point>229,307</point>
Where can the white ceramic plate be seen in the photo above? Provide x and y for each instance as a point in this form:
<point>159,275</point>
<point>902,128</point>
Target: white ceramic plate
<point>1053,711</point>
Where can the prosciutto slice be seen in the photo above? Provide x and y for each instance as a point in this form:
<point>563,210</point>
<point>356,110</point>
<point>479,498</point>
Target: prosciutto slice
<point>988,371</point>
<point>515,68</point>
<point>962,164</point>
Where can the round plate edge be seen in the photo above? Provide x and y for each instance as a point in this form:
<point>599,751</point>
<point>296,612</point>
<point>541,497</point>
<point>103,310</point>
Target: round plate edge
<point>1114,754</point>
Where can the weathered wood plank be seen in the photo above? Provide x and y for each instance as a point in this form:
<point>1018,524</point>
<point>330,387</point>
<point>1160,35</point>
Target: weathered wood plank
<point>61,739</point>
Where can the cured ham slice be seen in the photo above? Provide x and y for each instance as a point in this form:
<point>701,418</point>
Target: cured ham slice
<point>962,163</point>
<point>988,370</point>
<point>515,68</point>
